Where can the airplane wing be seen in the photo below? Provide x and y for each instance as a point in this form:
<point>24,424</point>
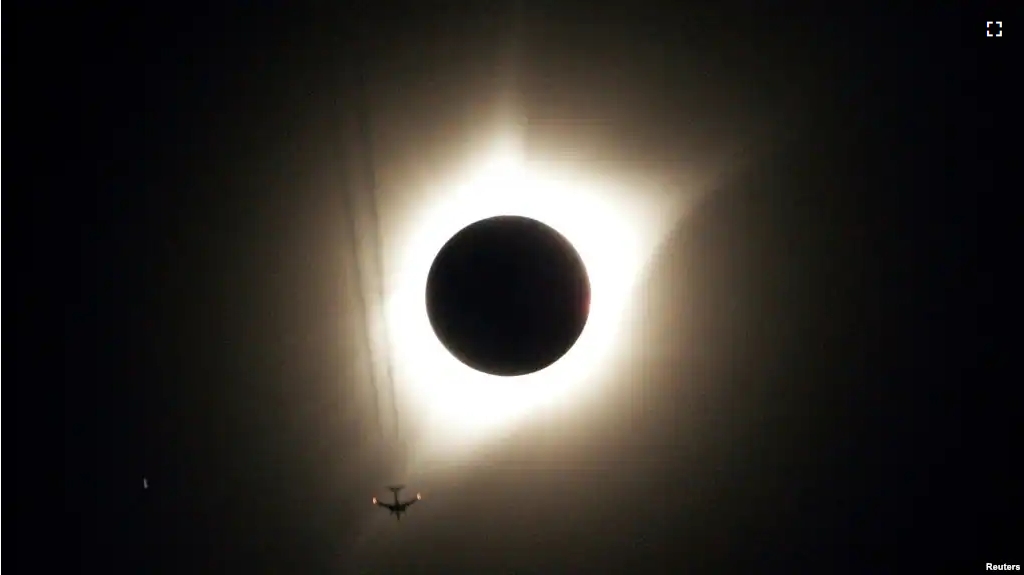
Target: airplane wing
<point>380,503</point>
<point>409,502</point>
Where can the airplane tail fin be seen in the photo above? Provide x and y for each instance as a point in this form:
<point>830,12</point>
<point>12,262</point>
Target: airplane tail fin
<point>396,488</point>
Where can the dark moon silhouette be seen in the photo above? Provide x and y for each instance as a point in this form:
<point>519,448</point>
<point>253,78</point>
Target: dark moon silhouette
<point>508,295</point>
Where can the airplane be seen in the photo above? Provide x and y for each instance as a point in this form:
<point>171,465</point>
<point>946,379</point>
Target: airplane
<point>397,508</point>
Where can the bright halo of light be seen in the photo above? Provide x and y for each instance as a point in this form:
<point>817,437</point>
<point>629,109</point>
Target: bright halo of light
<point>457,404</point>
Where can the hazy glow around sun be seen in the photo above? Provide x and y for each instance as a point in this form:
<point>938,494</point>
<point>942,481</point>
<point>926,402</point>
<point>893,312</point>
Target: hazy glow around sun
<point>614,232</point>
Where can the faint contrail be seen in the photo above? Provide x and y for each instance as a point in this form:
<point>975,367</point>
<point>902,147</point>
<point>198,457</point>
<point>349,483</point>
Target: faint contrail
<point>366,134</point>
<point>363,307</point>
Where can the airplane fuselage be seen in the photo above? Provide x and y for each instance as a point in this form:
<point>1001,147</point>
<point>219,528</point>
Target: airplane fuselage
<point>396,508</point>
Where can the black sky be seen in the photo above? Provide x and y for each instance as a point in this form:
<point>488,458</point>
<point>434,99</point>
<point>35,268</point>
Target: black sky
<point>812,383</point>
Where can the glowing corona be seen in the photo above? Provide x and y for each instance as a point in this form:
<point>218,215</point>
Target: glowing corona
<point>456,404</point>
